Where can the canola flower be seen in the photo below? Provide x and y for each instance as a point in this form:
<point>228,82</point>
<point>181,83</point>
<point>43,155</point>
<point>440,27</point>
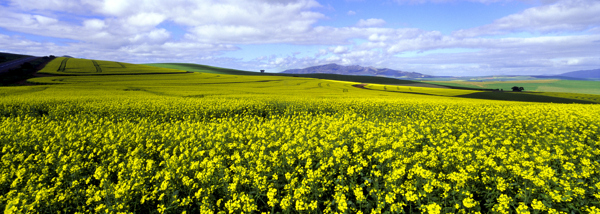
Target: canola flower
<point>106,148</point>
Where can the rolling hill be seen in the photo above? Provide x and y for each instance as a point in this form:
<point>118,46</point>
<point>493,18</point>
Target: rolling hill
<point>328,76</point>
<point>202,68</point>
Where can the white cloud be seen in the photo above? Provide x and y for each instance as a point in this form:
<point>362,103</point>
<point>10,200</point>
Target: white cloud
<point>135,31</point>
<point>333,59</point>
<point>339,49</point>
<point>376,37</point>
<point>486,56</point>
<point>208,20</point>
<point>446,1</point>
<point>322,52</point>
<point>94,24</point>
<point>146,19</point>
<point>48,5</point>
<point>114,7</point>
<point>370,22</point>
<point>45,20</point>
<point>575,15</point>
<point>351,13</point>
<point>155,36</point>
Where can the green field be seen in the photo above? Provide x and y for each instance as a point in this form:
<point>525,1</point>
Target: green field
<point>75,66</point>
<point>546,85</point>
<point>350,78</point>
<point>202,68</point>
<point>105,139</point>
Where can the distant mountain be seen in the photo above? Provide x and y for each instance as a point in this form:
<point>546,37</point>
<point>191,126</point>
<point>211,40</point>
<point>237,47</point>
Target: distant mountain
<point>585,74</point>
<point>356,70</point>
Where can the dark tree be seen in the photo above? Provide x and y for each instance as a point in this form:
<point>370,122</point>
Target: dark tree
<point>521,89</point>
<point>516,88</point>
<point>26,66</point>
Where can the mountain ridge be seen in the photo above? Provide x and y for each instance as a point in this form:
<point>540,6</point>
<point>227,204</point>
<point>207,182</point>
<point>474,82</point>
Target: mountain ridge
<point>356,70</point>
<point>584,74</point>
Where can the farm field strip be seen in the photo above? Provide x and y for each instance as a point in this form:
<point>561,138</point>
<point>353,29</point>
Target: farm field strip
<point>75,66</point>
<point>98,69</point>
<point>419,90</point>
<point>63,65</point>
<point>550,85</point>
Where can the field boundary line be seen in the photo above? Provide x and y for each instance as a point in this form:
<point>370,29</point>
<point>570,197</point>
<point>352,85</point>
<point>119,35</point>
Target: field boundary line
<point>63,65</point>
<point>98,69</point>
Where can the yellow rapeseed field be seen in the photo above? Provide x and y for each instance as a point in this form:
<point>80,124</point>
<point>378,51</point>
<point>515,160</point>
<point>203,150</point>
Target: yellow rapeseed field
<point>208,143</point>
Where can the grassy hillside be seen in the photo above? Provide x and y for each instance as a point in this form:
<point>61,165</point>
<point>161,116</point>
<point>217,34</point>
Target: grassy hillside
<point>550,97</point>
<point>457,88</point>
<point>75,66</point>
<point>202,68</point>
<point>351,78</point>
<point>548,85</point>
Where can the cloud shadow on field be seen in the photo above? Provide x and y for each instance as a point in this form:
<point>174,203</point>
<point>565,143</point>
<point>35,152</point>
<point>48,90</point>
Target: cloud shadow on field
<point>519,96</point>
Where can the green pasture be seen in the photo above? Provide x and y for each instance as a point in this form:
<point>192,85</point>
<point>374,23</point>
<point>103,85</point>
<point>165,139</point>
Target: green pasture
<point>550,85</point>
<point>199,85</point>
<point>72,76</point>
<point>172,79</point>
<point>74,66</point>
<point>194,85</point>
<point>350,78</point>
<point>202,68</point>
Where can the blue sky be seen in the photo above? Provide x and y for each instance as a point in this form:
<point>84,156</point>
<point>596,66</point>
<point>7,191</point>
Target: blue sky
<point>437,37</point>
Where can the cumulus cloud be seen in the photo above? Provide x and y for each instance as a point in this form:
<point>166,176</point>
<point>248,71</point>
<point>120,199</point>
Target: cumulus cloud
<point>94,24</point>
<point>575,15</point>
<point>482,56</point>
<point>207,19</point>
<point>48,5</point>
<point>133,31</point>
<point>146,19</point>
<point>339,49</point>
<point>370,22</point>
<point>446,1</point>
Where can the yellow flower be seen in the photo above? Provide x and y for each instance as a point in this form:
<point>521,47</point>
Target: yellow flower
<point>469,203</point>
<point>503,204</point>
<point>432,208</point>
<point>271,195</point>
<point>593,210</point>
<point>358,192</point>
<point>411,196</point>
<point>523,208</point>
<point>538,205</point>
